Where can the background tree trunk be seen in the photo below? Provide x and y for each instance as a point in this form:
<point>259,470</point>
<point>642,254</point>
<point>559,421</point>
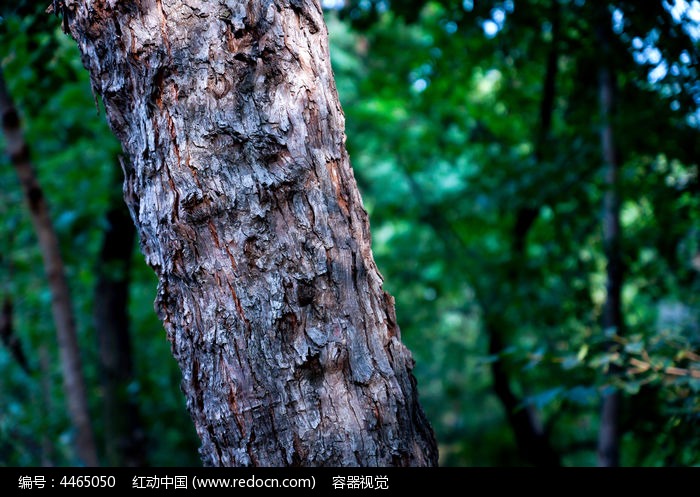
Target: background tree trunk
<point>532,437</point>
<point>125,443</point>
<point>61,305</point>
<point>8,336</point>
<point>247,209</point>
<point>612,319</point>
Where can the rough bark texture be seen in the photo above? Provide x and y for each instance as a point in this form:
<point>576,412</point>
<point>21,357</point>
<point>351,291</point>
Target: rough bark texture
<point>247,209</point>
<point>61,305</point>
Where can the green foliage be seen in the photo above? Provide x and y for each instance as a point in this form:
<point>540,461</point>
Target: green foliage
<point>446,133</point>
<point>445,112</point>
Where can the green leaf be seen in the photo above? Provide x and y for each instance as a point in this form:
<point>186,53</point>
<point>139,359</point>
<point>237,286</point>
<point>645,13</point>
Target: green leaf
<point>634,347</point>
<point>544,398</point>
<point>631,387</point>
<point>570,361</point>
<point>583,395</point>
<point>583,351</point>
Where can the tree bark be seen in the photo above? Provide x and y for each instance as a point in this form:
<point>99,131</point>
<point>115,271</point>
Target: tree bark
<point>241,188</point>
<point>61,305</point>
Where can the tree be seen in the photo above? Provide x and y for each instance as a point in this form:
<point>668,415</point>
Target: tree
<point>240,186</point>
<point>61,304</point>
<point>612,316</point>
<point>125,443</point>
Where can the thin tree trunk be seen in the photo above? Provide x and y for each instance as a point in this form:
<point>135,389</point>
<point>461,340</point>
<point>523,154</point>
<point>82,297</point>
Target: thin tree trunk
<point>8,336</point>
<point>47,446</point>
<point>61,306</point>
<point>531,436</point>
<point>609,434</point>
<point>531,439</point>
<point>124,433</point>
<point>247,209</point>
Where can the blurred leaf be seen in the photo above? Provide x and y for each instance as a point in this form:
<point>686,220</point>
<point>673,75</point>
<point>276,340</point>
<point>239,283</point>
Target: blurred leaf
<point>544,398</point>
<point>583,395</point>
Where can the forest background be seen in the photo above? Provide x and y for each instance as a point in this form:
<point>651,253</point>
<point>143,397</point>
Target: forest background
<point>530,170</point>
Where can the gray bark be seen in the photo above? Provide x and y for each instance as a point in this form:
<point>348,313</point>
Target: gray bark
<point>239,183</point>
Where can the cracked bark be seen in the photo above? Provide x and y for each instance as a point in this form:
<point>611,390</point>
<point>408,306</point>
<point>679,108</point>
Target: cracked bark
<point>239,183</point>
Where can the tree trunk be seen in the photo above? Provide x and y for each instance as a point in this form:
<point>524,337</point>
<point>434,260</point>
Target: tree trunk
<point>124,434</point>
<point>240,186</point>
<point>8,336</point>
<point>61,305</point>
<point>531,436</point>
<point>47,447</point>
<point>609,433</point>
